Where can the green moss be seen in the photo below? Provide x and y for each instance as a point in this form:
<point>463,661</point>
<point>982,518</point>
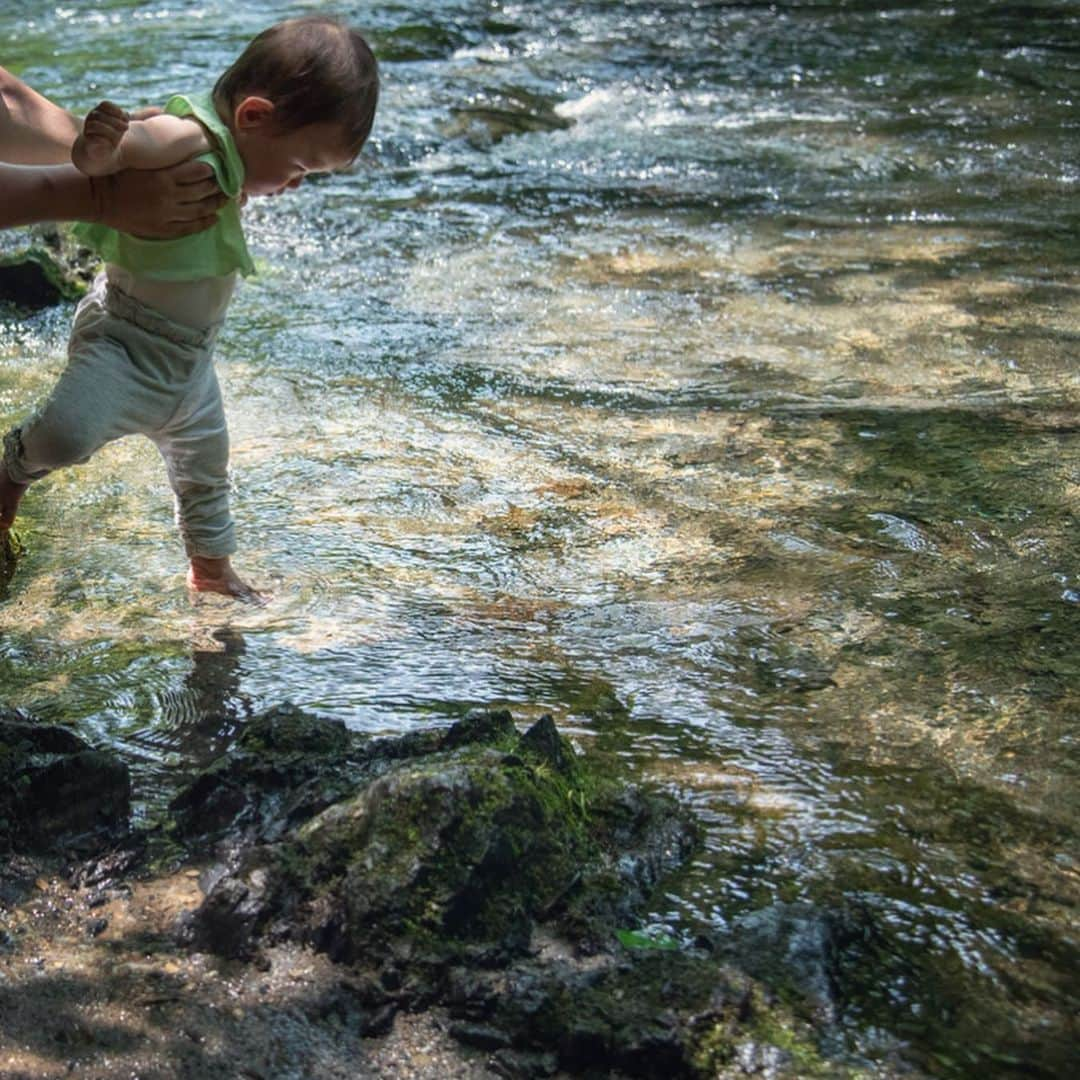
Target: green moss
<point>805,1057</point>
<point>715,1049</point>
<point>465,849</point>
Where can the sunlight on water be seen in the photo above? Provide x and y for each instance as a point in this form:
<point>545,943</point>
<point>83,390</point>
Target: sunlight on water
<point>705,376</point>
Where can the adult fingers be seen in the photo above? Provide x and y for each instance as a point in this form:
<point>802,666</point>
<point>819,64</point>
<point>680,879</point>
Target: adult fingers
<point>186,228</point>
<point>190,205</point>
<point>197,192</point>
<point>190,172</point>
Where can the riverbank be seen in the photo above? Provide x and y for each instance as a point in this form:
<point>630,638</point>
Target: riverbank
<point>463,902</point>
<point>94,983</point>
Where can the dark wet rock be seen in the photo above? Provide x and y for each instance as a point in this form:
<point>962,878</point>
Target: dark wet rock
<point>415,41</point>
<point>500,27</point>
<point>482,870</point>
<point>55,790</point>
<point>287,766</point>
<point>543,742</point>
<point>107,871</point>
<point>441,845</point>
<point>654,1014</point>
<point>489,117</point>
<point>43,266</point>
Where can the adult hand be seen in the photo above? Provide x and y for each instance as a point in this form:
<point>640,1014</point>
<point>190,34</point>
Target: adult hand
<point>159,204</point>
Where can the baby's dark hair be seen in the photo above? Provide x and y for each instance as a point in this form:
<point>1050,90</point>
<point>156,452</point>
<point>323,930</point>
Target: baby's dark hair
<point>313,69</point>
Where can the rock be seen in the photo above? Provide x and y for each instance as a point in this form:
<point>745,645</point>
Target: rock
<point>482,1036</point>
<point>490,116</point>
<point>415,41</point>
<point>655,1014</point>
<point>790,946</point>
<point>450,845</point>
<point>483,871</point>
<point>543,742</point>
<point>57,791</point>
<point>287,766</point>
<point>43,266</point>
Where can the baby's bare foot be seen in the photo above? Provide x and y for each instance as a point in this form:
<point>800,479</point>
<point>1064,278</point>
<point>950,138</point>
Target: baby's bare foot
<point>217,575</point>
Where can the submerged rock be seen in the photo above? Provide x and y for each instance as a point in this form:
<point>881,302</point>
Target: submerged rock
<point>415,41</point>
<point>56,791</point>
<point>489,117</point>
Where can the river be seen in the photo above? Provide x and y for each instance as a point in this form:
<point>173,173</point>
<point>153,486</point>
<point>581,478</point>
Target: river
<point>704,374</point>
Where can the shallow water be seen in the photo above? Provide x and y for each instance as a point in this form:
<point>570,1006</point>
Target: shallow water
<point>703,374</point>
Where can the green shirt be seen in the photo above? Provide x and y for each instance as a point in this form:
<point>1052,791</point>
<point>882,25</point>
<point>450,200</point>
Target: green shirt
<point>211,253</point>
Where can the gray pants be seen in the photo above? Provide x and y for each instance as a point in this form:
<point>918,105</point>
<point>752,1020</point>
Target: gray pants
<point>131,371</point>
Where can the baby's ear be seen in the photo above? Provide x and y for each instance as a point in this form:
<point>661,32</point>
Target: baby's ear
<point>253,112</point>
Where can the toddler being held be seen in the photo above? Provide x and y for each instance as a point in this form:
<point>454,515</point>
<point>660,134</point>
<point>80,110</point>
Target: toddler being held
<point>300,99</point>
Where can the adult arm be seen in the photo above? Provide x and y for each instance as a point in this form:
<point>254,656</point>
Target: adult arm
<point>36,136</point>
<point>33,131</point>
<point>158,204</point>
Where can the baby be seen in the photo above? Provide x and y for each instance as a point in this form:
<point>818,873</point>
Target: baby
<point>300,99</point>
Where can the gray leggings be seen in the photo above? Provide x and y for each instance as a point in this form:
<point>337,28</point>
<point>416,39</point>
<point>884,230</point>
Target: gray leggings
<point>131,371</point>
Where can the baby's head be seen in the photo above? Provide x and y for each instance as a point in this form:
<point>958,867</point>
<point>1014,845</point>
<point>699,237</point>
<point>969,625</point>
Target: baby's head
<point>301,98</point>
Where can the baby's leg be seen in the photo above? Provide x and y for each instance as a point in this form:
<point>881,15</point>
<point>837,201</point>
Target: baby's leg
<point>97,399</point>
<point>195,446</point>
<point>10,496</point>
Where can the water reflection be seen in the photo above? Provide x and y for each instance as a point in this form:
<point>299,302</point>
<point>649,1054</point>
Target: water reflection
<point>192,719</point>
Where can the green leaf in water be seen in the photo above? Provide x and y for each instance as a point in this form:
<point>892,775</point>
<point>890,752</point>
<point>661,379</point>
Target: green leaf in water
<point>635,939</point>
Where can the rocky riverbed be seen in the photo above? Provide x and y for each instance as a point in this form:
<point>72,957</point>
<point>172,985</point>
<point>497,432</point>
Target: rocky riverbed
<point>461,902</point>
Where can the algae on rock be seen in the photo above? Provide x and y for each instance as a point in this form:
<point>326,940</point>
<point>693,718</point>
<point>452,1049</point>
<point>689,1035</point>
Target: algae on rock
<point>44,265</point>
<point>485,871</point>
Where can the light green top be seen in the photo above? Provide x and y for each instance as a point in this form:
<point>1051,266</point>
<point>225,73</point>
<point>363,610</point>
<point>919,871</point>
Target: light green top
<point>213,252</point>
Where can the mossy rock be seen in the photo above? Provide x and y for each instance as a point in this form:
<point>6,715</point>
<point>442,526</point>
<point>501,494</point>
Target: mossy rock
<point>671,1014</point>
<point>449,845</point>
<point>44,266</point>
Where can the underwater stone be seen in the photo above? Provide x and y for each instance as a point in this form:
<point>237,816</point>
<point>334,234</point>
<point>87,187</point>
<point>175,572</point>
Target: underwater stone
<point>789,945</point>
<point>491,116</point>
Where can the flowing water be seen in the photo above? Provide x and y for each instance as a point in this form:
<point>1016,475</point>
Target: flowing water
<point>704,374</point>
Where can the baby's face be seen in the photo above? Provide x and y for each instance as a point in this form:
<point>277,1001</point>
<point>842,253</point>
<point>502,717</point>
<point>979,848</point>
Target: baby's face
<point>273,163</point>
